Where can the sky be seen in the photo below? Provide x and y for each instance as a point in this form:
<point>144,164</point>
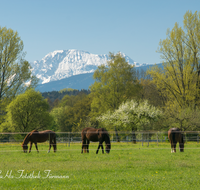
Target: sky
<point>133,27</point>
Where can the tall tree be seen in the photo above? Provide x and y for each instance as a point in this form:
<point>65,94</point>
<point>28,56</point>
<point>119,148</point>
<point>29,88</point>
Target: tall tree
<point>180,78</point>
<point>150,92</point>
<point>113,84</point>
<point>26,112</point>
<point>15,73</point>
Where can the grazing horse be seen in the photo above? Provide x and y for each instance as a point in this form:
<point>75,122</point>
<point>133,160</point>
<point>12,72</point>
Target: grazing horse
<point>175,135</point>
<point>96,135</point>
<point>38,137</point>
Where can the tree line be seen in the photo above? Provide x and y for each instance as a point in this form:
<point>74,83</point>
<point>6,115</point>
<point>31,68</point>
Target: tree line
<point>120,99</point>
<point>54,97</point>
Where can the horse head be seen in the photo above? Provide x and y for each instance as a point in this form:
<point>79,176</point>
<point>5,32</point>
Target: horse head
<point>108,145</point>
<point>181,147</point>
<point>25,147</point>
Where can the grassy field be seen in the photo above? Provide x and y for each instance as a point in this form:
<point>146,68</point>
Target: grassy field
<point>128,166</point>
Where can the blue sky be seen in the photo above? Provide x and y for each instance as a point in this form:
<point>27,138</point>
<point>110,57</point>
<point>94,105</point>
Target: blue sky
<point>133,27</point>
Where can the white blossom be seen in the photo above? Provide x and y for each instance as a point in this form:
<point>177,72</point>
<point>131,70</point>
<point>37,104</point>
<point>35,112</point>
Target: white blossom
<point>131,112</point>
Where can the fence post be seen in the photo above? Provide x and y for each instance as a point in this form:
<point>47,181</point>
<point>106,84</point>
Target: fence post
<point>69,139</point>
<point>185,138</point>
<point>148,140</point>
<point>157,139</point>
<point>197,137</point>
<point>142,139</point>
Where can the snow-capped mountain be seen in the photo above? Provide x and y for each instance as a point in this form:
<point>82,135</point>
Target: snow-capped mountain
<point>62,64</point>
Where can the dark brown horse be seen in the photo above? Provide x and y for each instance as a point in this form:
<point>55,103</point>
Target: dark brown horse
<point>95,135</point>
<point>175,135</point>
<point>38,137</point>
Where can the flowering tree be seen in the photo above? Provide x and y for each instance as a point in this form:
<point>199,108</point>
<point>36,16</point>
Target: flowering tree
<point>131,115</point>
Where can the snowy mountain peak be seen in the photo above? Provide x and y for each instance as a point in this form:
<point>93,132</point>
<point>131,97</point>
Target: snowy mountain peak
<point>61,64</point>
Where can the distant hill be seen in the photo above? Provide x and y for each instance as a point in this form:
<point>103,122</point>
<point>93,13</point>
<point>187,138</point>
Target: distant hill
<point>78,82</point>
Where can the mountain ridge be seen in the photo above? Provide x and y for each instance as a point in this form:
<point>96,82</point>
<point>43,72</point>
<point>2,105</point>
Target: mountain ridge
<point>62,64</point>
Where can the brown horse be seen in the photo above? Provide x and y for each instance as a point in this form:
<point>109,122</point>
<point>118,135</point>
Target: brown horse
<point>38,137</point>
<point>175,135</point>
<point>96,135</point>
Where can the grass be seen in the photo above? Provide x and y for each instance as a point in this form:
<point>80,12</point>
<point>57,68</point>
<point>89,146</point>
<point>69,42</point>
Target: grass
<point>127,166</point>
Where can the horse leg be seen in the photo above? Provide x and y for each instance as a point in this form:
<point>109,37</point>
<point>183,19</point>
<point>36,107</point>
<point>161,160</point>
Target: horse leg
<point>49,147</point>
<point>30,147</point>
<point>83,146</point>
<point>36,147</point>
<point>54,144</point>
<point>98,149</point>
<point>50,143</point>
<point>87,146</point>
<point>174,147</point>
<point>102,148</point>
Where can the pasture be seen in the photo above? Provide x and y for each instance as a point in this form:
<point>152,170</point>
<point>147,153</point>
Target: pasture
<point>128,166</point>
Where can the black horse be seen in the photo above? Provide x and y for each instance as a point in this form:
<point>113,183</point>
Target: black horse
<point>42,136</point>
<point>96,135</point>
<point>175,135</point>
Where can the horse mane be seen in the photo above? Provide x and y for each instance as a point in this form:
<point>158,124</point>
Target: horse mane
<point>34,131</point>
<point>26,139</point>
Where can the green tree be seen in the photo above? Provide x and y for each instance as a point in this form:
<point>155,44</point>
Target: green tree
<point>82,109</point>
<point>62,117</point>
<point>28,111</point>
<point>15,73</point>
<point>113,84</point>
<point>57,114</point>
<point>151,93</point>
<point>186,119</point>
<point>72,112</point>
<point>180,51</point>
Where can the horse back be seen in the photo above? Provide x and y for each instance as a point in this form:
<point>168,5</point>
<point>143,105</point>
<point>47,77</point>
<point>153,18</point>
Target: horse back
<point>90,134</point>
<point>42,136</point>
<point>174,135</point>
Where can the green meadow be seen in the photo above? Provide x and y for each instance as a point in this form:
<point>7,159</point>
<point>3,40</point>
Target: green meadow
<point>128,166</point>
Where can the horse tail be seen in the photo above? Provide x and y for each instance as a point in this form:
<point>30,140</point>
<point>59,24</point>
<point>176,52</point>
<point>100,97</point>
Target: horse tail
<point>83,137</point>
<point>173,137</point>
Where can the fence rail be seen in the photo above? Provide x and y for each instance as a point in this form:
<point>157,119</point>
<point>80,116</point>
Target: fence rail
<point>124,136</point>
